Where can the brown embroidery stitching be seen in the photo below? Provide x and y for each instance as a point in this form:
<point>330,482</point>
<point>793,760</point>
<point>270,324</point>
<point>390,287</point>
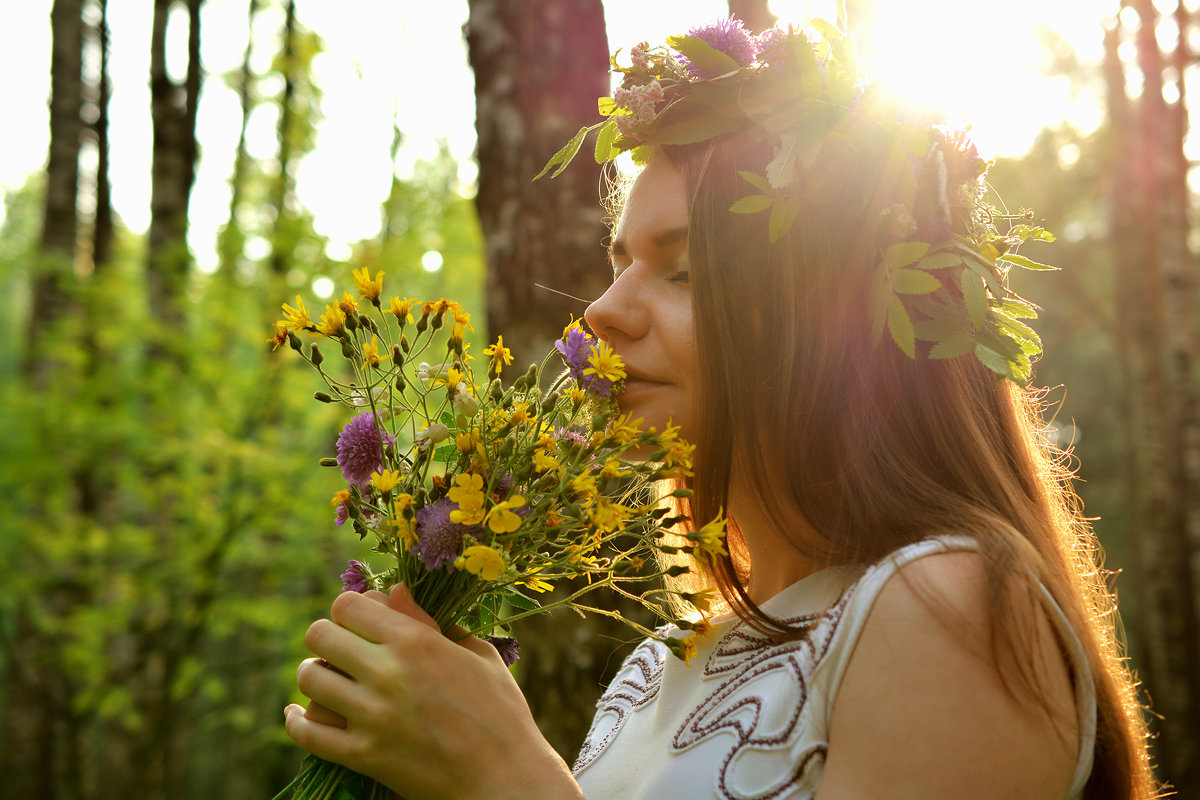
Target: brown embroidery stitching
<point>636,685</point>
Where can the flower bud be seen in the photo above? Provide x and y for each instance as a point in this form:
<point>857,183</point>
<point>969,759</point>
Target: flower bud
<point>397,356</point>
<point>347,349</point>
<point>400,384</point>
<point>422,324</point>
<point>351,322</point>
<point>294,341</point>
<point>314,355</point>
<point>496,391</point>
<point>368,323</point>
<point>322,397</point>
<point>677,570</point>
<point>328,462</point>
<point>404,345</point>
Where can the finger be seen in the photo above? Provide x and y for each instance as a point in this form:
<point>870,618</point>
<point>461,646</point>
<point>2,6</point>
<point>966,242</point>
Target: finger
<point>401,600</point>
<point>323,716</point>
<point>323,741</point>
<point>329,688</point>
<point>372,621</point>
<point>344,650</point>
<point>376,595</point>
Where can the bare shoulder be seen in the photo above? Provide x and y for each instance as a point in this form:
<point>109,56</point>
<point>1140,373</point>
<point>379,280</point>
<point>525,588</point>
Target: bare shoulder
<point>922,711</point>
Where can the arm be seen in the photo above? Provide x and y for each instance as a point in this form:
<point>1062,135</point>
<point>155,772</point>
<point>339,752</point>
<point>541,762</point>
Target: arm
<point>922,711</point>
<point>425,716</point>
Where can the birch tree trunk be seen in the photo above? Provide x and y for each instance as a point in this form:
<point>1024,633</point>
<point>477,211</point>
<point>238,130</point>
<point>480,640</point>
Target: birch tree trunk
<point>539,67</point>
<point>1156,336</point>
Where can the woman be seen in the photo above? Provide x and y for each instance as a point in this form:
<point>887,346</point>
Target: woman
<point>912,605</point>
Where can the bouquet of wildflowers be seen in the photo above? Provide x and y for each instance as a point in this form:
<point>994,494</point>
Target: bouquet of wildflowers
<point>481,497</point>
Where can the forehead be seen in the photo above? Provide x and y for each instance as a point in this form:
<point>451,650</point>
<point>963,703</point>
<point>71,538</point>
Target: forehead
<point>657,201</point>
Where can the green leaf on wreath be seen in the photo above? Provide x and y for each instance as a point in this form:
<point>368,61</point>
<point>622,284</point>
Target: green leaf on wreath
<point>755,180</point>
<point>604,142</point>
<point>783,214</point>
<point>1026,263</point>
<point>904,253</point>
<point>563,157</point>
<point>974,297</point>
<point>941,259</point>
<point>953,346</point>
<point>911,281</point>
<point>607,106</point>
<point>751,204</point>
<point>901,328</point>
<point>703,55</point>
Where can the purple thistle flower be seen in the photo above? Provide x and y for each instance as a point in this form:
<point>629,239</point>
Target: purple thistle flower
<point>343,514</point>
<point>508,647</point>
<point>439,541</point>
<point>576,351</point>
<point>358,451</point>
<point>730,37</point>
<point>354,579</point>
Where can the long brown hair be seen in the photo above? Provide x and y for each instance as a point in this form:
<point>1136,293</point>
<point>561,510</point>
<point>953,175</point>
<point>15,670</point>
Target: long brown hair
<point>881,450</point>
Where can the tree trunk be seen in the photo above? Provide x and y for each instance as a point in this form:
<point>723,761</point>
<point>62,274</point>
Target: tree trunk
<point>231,239</point>
<point>539,67</point>
<point>1156,338</point>
<point>172,169</point>
<point>755,14</point>
<point>283,188</point>
<point>60,224</point>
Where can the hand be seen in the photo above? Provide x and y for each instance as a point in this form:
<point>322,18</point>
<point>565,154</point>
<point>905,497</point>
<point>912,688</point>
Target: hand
<point>426,716</point>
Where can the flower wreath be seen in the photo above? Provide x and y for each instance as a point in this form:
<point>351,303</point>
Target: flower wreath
<point>941,275</point>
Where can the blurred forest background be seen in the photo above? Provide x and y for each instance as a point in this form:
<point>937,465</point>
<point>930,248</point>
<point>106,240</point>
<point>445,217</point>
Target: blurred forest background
<point>163,544</point>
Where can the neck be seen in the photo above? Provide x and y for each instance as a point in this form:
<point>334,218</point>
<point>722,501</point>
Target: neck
<point>775,563</point>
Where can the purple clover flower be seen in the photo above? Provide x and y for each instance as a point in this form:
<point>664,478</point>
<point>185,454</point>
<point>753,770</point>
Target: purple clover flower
<point>358,452</point>
<point>508,647</point>
<point>354,579</point>
<point>730,37</point>
<point>439,541</point>
<point>576,351</point>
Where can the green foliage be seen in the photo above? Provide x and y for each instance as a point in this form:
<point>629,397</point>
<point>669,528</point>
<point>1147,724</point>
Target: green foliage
<point>164,537</point>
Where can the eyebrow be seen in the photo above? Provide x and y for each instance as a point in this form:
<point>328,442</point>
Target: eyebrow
<point>663,239</point>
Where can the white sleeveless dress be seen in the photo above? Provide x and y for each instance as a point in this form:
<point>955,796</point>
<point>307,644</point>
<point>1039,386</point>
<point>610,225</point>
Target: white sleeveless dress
<point>749,720</point>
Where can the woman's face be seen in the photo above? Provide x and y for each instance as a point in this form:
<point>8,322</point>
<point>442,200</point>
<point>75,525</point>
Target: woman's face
<point>646,314</point>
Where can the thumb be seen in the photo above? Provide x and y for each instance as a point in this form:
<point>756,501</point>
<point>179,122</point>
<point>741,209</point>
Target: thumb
<point>401,600</point>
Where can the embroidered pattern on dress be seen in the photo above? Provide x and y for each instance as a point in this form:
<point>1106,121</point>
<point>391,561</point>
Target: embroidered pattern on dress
<point>759,725</point>
<point>634,686</point>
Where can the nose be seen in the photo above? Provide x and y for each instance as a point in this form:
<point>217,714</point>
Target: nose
<point>620,312</point>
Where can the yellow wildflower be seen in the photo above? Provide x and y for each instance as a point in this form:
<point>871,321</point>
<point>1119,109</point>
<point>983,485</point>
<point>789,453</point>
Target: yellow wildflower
<point>333,321</point>
<point>577,394</point>
<point>280,337</point>
<point>403,309</point>
<point>702,600</point>
<point>403,502</point>
<point>370,288</point>
<point>297,318</point>
<point>608,516</point>
<point>520,414</point>
<point>612,469</point>
<point>584,486</point>
<point>481,560</point>
<point>542,460</point>
<point>385,481</point>
<point>405,531</point>
<point>370,352</point>
<point>341,497</point>
<point>501,356</point>
<point>703,627</point>
<point>501,519</point>
<point>348,304</point>
<point>624,430</point>
<point>532,581</point>
<point>710,539</point>
<point>468,493</point>
<point>605,363</point>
